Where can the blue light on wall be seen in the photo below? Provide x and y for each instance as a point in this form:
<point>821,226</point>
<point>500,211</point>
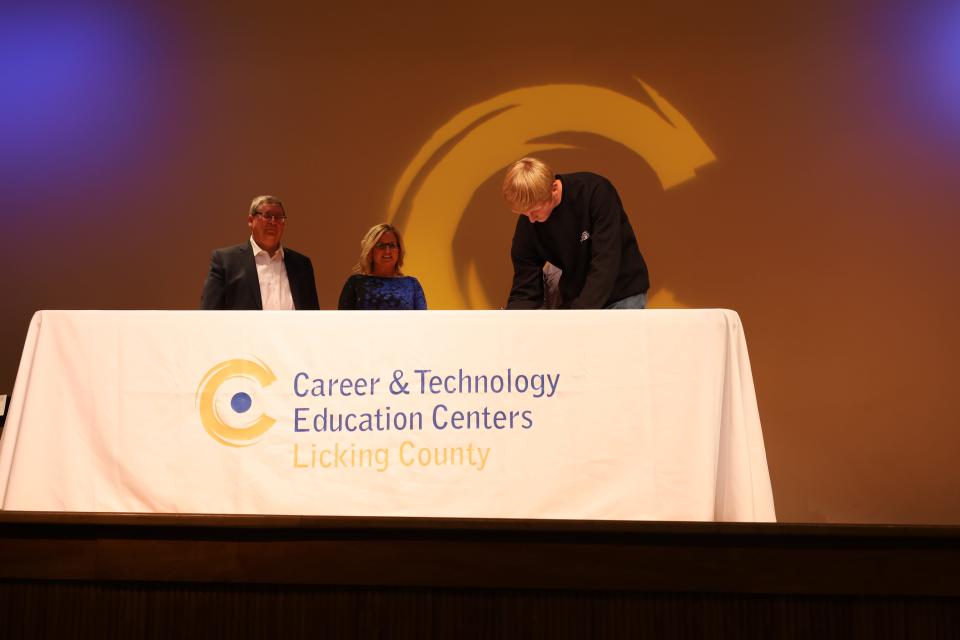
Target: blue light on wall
<point>942,61</point>
<point>951,55</point>
<point>71,90</point>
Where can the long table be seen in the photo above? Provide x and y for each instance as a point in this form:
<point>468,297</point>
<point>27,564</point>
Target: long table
<point>601,415</point>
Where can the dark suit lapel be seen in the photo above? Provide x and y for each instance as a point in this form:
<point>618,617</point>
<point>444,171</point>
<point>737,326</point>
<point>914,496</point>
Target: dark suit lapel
<point>250,274</point>
<point>293,278</point>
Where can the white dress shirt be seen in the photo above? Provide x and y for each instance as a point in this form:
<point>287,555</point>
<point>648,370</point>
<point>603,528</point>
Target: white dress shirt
<point>272,274</point>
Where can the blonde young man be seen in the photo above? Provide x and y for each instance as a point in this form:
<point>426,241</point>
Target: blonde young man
<point>576,222</point>
<point>261,273</point>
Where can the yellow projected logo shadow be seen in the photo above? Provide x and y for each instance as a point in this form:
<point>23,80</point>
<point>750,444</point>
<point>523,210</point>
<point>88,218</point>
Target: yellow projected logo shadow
<point>482,140</point>
<point>207,405</point>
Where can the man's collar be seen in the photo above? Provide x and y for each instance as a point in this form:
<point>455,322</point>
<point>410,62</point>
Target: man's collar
<point>257,249</point>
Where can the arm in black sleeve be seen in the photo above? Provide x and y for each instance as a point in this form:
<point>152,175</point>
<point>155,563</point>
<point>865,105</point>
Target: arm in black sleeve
<point>312,301</point>
<point>527,289</point>
<point>348,295</point>
<point>606,213</point>
<point>212,297</point>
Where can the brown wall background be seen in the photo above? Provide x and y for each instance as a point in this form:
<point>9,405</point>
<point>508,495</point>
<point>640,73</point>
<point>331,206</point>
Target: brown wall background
<point>827,220</point>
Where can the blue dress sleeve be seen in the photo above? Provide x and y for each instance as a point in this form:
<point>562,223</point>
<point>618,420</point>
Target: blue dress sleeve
<point>348,295</point>
<point>419,299</point>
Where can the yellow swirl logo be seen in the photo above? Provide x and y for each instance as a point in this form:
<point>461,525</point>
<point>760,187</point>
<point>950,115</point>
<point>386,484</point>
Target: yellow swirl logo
<point>437,186</point>
<point>227,401</point>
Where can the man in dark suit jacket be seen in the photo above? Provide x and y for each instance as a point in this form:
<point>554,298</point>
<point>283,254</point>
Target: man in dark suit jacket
<point>260,273</point>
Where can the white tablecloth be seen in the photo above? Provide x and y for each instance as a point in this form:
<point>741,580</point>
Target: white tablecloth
<point>634,415</point>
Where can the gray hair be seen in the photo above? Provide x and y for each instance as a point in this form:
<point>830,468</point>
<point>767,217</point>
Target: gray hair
<point>261,200</point>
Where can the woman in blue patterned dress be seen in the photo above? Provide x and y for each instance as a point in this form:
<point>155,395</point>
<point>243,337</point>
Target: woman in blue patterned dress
<point>378,282</point>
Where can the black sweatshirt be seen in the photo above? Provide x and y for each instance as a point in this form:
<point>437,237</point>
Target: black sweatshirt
<point>589,236</point>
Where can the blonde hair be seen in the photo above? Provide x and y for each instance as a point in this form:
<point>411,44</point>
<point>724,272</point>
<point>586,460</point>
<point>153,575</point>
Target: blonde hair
<point>528,183</point>
<point>259,200</point>
<point>372,237</point>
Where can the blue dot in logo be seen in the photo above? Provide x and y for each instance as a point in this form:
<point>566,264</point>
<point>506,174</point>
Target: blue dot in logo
<point>240,402</point>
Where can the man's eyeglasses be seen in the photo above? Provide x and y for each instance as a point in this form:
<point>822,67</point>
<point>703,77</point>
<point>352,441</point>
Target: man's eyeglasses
<point>278,218</point>
<point>383,246</point>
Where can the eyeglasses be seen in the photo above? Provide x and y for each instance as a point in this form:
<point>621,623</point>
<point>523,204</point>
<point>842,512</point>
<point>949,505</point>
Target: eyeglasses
<point>277,218</point>
<point>383,246</point>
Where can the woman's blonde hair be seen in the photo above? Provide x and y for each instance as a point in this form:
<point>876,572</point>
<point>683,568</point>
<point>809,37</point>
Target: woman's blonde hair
<point>528,182</point>
<point>372,237</point>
